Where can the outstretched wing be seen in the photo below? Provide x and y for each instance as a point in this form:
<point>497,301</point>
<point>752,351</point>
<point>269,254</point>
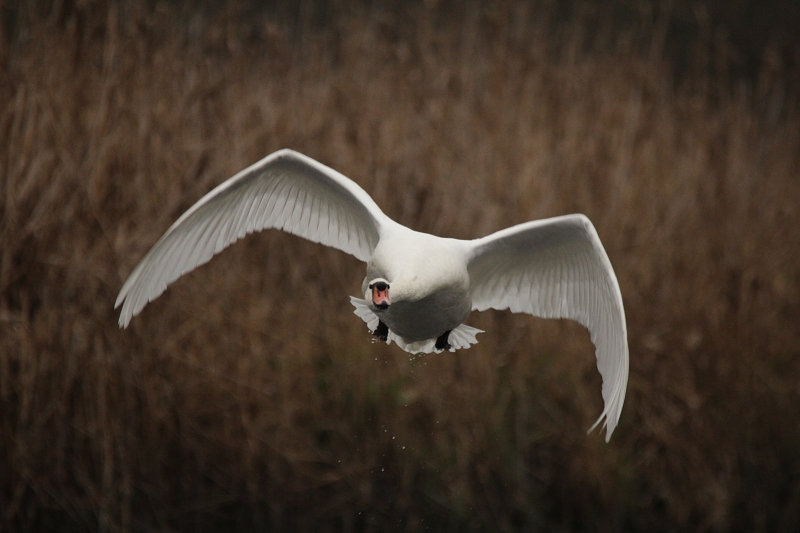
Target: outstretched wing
<point>285,190</point>
<point>557,268</point>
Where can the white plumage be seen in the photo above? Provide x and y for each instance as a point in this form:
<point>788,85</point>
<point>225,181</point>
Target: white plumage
<point>419,287</point>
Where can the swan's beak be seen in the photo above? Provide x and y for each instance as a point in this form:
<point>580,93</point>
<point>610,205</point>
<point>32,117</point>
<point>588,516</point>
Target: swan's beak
<point>380,295</point>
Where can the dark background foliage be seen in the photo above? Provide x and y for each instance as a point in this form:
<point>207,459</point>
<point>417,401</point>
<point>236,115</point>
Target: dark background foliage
<point>249,397</point>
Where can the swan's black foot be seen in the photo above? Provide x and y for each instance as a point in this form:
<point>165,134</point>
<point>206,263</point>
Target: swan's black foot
<point>382,331</point>
<point>441,342</point>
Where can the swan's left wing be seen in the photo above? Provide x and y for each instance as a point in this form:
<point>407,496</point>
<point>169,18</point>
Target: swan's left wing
<point>557,268</point>
<point>285,190</point>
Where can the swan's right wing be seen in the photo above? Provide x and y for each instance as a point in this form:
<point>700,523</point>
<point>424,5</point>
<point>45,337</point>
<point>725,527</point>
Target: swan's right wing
<point>557,268</point>
<point>285,190</point>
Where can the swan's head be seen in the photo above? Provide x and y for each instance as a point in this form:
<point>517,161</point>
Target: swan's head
<point>380,293</point>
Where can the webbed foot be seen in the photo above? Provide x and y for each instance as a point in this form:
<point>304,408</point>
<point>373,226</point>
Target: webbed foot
<point>442,342</point>
<point>382,331</point>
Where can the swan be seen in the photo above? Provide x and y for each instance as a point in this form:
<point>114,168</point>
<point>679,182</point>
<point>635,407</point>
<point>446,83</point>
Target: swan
<point>419,288</point>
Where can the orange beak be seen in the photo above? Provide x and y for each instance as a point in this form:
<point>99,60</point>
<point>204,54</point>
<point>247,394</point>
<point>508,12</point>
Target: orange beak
<point>380,295</point>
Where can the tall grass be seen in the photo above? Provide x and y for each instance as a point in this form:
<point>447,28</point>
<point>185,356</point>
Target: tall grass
<point>249,397</point>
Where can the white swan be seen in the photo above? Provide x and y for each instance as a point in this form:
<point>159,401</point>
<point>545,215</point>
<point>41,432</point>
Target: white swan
<point>419,288</point>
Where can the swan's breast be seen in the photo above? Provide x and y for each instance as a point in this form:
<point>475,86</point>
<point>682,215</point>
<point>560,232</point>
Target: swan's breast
<point>429,284</point>
<point>427,318</point>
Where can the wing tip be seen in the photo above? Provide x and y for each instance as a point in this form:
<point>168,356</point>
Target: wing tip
<point>610,416</point>
<point>122,299</point>
<point>125,317</point>
<point>608,425</point>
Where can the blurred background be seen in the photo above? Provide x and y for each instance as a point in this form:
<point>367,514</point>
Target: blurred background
<point>231,404</point>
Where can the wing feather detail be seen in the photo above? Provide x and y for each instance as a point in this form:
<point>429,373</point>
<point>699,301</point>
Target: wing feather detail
<point>557,268</point>
<point>285,190</point>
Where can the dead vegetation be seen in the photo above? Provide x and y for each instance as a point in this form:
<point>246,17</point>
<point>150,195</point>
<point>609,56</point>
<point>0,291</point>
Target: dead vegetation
<point>249,396</point>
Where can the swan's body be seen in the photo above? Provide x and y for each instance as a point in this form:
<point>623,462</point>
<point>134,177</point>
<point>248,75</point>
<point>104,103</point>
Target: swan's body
<point>426,301</point>
<point>419,288</point>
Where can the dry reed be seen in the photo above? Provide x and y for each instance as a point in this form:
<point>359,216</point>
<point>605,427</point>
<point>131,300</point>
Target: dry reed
<point>249,396</point>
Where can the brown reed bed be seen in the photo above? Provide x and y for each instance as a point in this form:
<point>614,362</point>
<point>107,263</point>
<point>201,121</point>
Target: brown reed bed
<point>249,397</point>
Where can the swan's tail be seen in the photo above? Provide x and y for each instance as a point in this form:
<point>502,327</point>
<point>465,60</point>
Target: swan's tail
<point>460,338</point>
